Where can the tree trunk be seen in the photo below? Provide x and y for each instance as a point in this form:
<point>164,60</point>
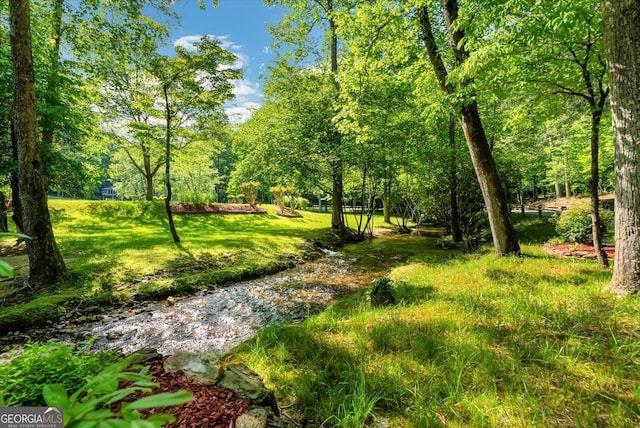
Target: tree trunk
<point>622,43</point>
<point>558,190</point>
<point>337,210</point>
<point>148,176</point>
<point>167,170</point>
<point>386,202</point>
<point>596,223</point>
<point>46,266</point>
<point>4,226</point>
<point>16,206</point>
<point>495,197</point>
<point>567,182</point>
<point>456,230</point>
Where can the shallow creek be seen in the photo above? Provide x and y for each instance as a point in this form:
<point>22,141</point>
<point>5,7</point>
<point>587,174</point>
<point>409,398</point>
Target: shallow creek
<point>222,318</point>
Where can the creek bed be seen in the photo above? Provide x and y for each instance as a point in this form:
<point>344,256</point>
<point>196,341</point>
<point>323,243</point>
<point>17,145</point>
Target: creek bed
<point>219,319</point>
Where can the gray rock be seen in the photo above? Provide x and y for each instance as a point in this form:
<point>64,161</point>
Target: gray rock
<point>145,354</point>
<point>247,385</point>
<point>204,368</point>
<point>254,418</point>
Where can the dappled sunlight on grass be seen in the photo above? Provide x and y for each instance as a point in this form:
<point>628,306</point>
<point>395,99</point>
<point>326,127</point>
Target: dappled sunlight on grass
<point>118,251</point>
<point>474,341</point>
<point>118,242</point>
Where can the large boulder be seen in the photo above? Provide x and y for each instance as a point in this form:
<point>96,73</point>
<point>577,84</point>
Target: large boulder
<point>247,385</point>
<point>204,368</point>
<point>257,417</point>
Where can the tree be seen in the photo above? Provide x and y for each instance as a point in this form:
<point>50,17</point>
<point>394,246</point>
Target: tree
<point>306,14</point>
<point>285,141</point>
<point>622,40</point>
<point>192,85</point>
<point>130,116</point>
<point>564,52</point>
<point>494,195</point>
<point>46,266</point>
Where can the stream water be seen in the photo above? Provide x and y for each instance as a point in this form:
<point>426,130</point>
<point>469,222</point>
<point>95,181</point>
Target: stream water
<point>220,319</point>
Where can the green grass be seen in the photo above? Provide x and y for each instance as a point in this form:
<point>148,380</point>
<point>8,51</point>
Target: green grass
<point>118,251</point>
<point>476,341</point>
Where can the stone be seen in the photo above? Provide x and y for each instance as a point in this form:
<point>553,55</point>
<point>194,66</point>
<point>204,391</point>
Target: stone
<point>247,385</point>
<point>204,368</point>
<point>258,417</point>
<point>113,335</point>
<point>145,354</point>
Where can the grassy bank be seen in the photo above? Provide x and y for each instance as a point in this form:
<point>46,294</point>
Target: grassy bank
<point>475,341</point>
<point>118,251</point>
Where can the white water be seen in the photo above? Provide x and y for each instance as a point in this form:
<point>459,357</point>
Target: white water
<point>222,318</point>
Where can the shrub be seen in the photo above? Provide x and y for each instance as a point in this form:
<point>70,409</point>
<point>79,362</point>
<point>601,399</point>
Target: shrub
<point>381,292</point>
<point>26,370</point>
<point>250,192</point>
<point>279,194</point>
<point>574,224</point>
<point>92,404</point>
<point>296,202</point>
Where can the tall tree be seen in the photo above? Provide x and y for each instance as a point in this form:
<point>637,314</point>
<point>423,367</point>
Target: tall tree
<point>494,195</point>
<point>557,47</point>
<point>622,40</point>
<point>294,30</point>
<point>46,266</point>
<point>192,85</point>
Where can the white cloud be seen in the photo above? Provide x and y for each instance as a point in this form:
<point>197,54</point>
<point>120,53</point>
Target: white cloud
<point>246,89</point>
<point>187,42</point>
<point>247,93</point>
<point>242,113</point>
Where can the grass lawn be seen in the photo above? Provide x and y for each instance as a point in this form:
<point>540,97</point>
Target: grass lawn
<point>476,341</point>
<point>121,250</point>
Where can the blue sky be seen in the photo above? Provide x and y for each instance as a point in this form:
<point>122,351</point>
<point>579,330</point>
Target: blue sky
<point>240,25</point>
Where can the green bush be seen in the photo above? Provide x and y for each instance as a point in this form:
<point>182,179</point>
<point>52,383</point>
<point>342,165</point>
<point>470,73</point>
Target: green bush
<point>25,371</point>
<point>91,404</point>
<point>574,224</point>
<point>296,202</point>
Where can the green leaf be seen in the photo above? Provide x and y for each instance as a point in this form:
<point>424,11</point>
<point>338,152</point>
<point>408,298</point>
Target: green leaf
<point>114,423</point>
<point>6,269</point>
<point>164,399</point>
<point>16,235</point>
<point>55,396</point>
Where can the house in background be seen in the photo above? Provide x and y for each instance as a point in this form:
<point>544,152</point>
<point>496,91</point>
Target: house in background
<point>107,192</point>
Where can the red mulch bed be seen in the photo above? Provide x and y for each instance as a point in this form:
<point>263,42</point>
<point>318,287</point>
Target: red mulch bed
<point>216,208</point>
<point>287,213</point>
<point>568,249</point>
<point>212,406</point>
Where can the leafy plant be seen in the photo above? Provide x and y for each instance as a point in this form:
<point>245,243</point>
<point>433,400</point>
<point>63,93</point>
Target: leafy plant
<point>296,202</point>
<point>90,406</point>
<point>29,368</point>
<point>280,192</point>
<point>381,285</point>
<point>574,224</point>
<point>381,292</point>
<point>250,191</point>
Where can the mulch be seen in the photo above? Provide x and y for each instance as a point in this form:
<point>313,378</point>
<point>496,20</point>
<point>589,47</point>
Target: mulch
<point>215,208</point>
<point>212,406</point>
<point>568,249</point>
